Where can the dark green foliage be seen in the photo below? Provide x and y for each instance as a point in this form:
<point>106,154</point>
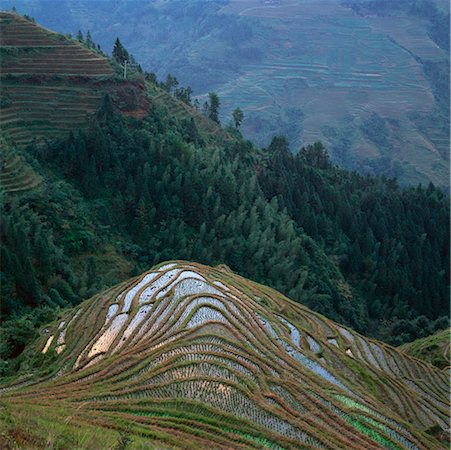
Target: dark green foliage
<point>357,249</point>
<point>89,42</point>
<point>42,233</point>
<point>409,330</point>
<point>170,198</point>
<point>151,77</point>
<point>238,117</point>
<point>184,94</point>
<point>315,155</point>
<point>212,107</point>
<point>173,199</point>
<point>120,54</point>
<point>18,331</point>
<point>170,84</point>
<point>391,245</point>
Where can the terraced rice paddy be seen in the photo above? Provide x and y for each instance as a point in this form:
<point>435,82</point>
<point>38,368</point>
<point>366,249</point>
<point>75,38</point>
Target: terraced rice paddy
<point>188,356</point>
<point>30,49</point>
<point>324,67</point>
<point>47,81</point>
<point>435,349</point>
<point>15,175</point>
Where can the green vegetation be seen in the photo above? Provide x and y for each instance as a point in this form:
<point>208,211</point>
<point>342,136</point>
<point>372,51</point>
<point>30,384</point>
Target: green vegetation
<point>308,70</point>
<point>189,356</point>
<point>434,349</point>
<point>125,193</point>
<point>146,178</point>
<point>380,235</point>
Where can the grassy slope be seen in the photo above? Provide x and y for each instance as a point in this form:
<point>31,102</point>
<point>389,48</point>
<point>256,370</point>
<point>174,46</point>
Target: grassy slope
<point>434,349</point>
<point>216,364</point>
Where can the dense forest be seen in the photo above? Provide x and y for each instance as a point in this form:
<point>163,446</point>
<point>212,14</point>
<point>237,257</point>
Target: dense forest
<point>356,248</point>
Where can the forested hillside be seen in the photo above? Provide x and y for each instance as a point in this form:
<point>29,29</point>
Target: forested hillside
<point>125,193</point>
<point>357,249</point>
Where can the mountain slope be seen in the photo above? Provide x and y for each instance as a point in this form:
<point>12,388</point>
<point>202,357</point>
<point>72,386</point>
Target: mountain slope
<point>434,349</point>
<point>190,356</point>
<point>324,70</point>
<point>48,80</point>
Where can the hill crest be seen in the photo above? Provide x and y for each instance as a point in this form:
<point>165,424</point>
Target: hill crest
<point>205,338</point>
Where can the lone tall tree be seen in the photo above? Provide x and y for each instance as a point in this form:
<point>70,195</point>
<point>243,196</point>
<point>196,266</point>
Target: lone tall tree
<point>119,53</point>
<point>238,117</point>
<point>89,42</point>
<point>213,112</point>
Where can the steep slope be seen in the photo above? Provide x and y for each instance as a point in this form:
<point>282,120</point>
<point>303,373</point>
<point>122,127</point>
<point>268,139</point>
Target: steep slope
<point>434,349</point>
<point>48,81</point>
<point>50,85</point>
<point>15,175</point>
<point>188,356</point>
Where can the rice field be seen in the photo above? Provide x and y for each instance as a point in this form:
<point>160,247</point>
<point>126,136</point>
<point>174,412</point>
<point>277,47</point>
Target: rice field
<point>47,81</point>
<point>189,356</point>
<point>16,175</point>
<point>323,66</point>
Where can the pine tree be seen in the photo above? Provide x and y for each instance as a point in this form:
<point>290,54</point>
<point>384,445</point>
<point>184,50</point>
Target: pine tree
<point>238,117</point>
<point>120,54</point>
<point>91,272</point>
<point>213,112</point>
<point>89,42</point>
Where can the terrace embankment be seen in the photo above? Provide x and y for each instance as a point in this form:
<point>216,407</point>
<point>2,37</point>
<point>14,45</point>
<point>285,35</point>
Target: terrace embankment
<point>50,85</point>
<point>192,354</point>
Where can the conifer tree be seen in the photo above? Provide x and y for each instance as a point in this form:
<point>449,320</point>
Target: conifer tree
<point>120,54</point>
<point>238,117</point>
<point>89,42</point>
<point>213,112</point>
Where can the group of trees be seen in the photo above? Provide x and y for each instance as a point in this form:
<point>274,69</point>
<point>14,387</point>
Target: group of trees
<point>88,41</point>
<point>374,252</point>
<point>391,244</point>
<point>41,235</point>
<point>120,54</point>
<point>210,107</point>
<point>356,248</point>
<point>171,85</point>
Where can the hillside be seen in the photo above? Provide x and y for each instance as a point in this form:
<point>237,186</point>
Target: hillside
<point>187,356</point>
<point>16,175</point>
<point>370,79</point>
<point>50,85</point>
<point>47,81</point>
<point>434,349</point>
<point>149,178</point>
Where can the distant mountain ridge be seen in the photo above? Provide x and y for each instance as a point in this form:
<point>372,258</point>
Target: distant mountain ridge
<point>195,356</point>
